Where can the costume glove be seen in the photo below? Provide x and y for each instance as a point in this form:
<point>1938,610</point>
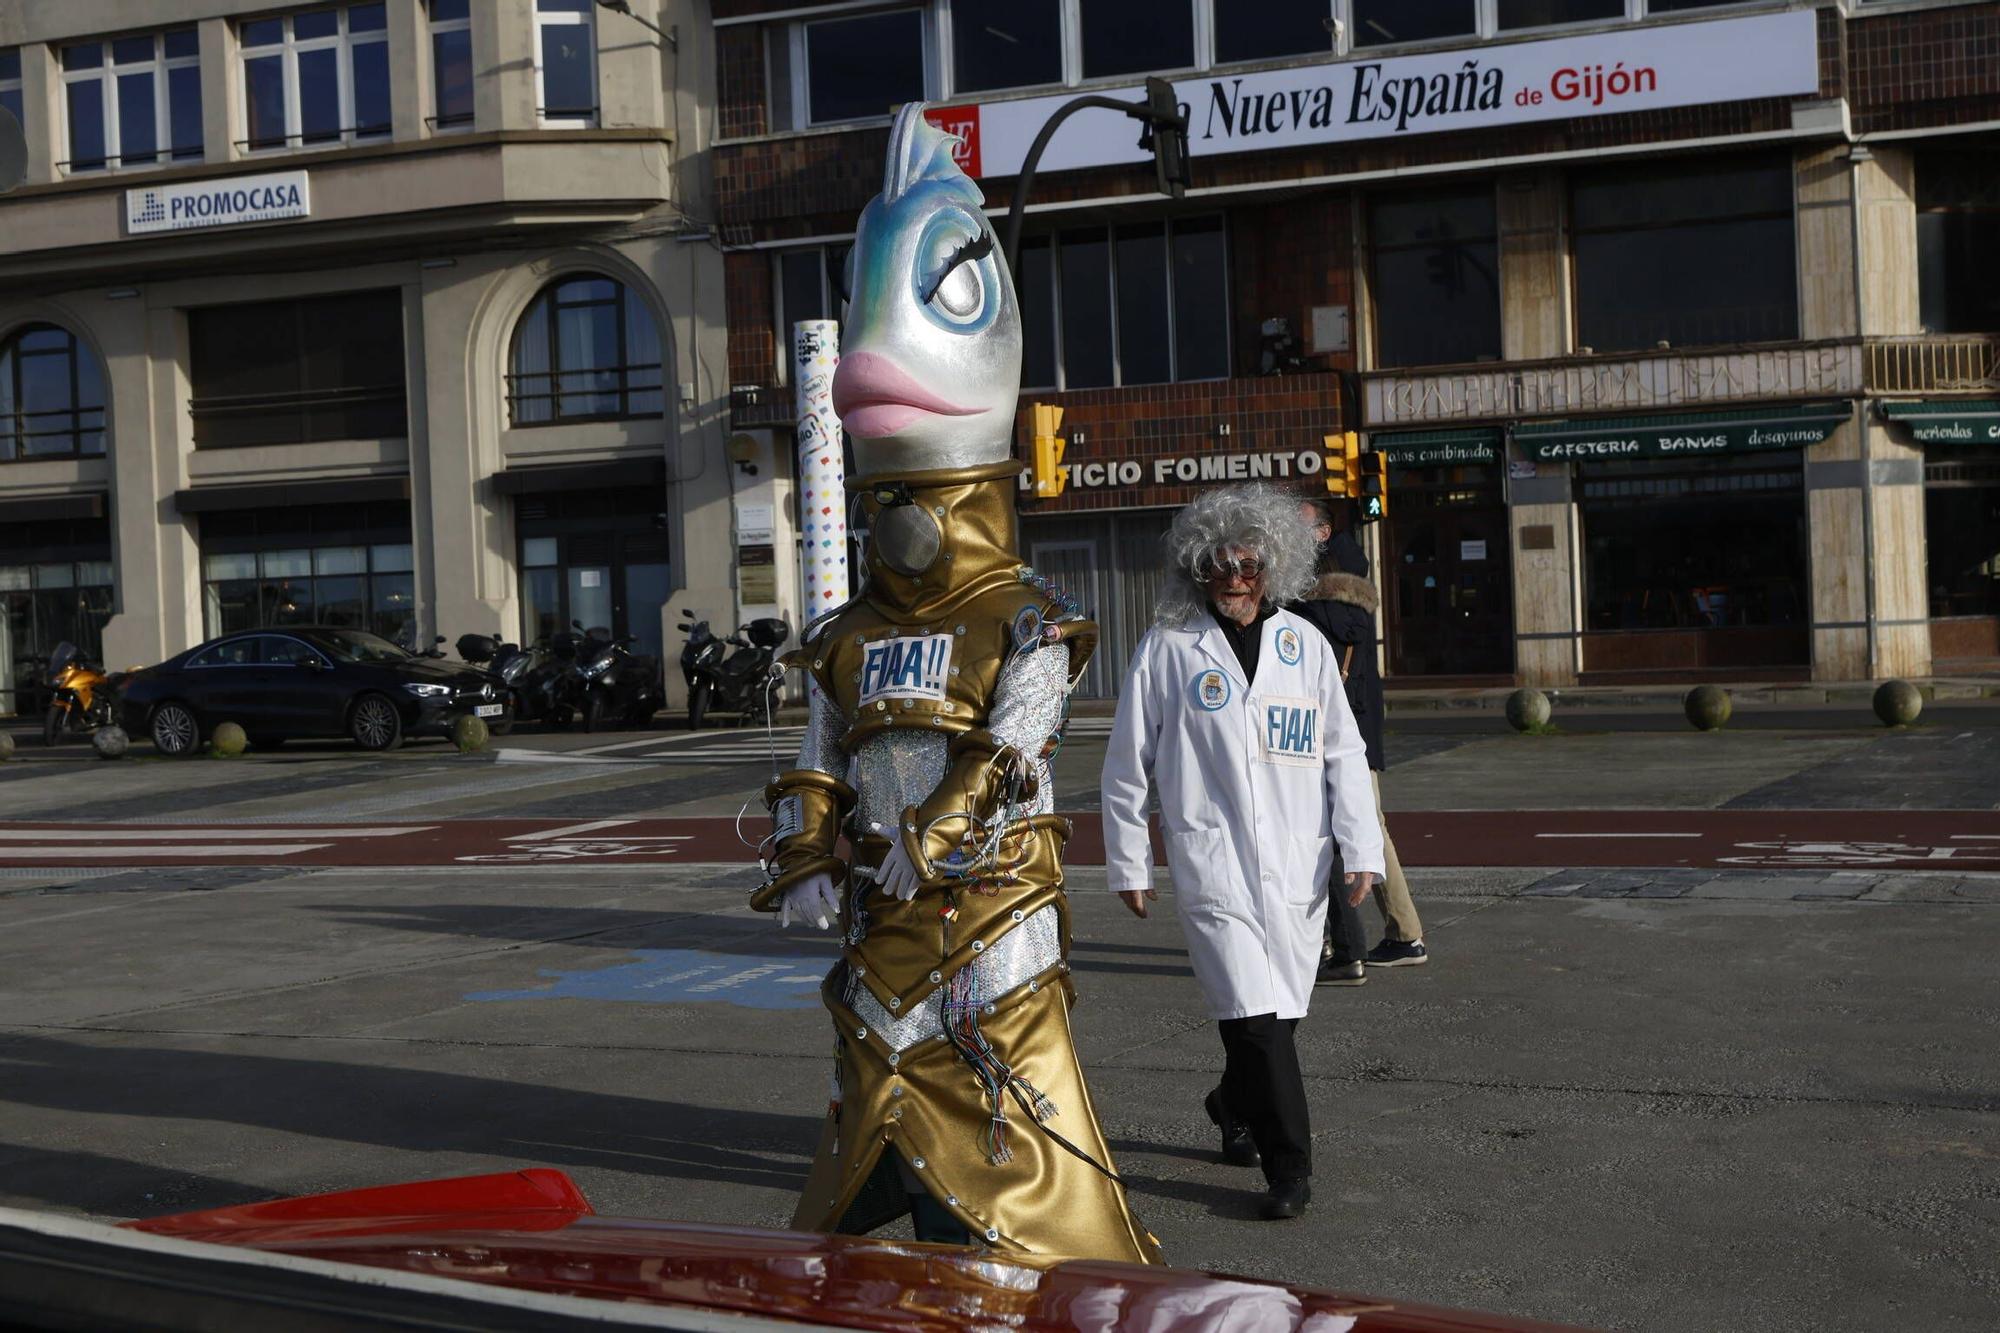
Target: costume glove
<point>897,875</point>
<point>811,899</point>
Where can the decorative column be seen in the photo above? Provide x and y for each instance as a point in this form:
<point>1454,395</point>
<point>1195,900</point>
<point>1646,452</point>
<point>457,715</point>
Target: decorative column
<point>822,470</point>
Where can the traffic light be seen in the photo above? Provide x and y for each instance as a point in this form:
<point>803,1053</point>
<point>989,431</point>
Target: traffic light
<point>1049,446</point>
<point>1165,135</point>
<point>1371,484</point>
<point>1343,475</point>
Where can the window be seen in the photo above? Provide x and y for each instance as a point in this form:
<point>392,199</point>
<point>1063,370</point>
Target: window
<point>451,63</point>
<point>861,67</point>
<point>132,101</point>
<point>10,80</point>
<point>1272,28</point>
<point>1647,244</point>
<point>1138,304</point>
<point>810,285</point>
<point>1135,36</point>
<point>586,348</point>
<point>1548,13</point>
<point>597,557</point>
<point>319,77</point>
<point>347,566</point>
<point>1712,544</point>
<point>1383,22</point>
<point>51,396</point>
<point>55,587</point>
<point>1005,44</point>
<point>295,372</point>
<point>565,64</point>
<point>1435,276</point>
<point>1958,242</point>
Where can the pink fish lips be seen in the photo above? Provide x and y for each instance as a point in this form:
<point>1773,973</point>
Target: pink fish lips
<point>874,397</point>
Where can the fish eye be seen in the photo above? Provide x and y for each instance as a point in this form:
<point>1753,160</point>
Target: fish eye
<point>952,281</point>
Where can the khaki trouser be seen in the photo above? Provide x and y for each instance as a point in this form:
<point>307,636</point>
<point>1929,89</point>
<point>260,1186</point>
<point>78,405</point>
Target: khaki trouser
<point>1392,895</point>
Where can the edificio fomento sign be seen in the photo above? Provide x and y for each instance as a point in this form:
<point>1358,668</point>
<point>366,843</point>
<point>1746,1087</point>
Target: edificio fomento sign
<point>217,203</point>
<point>1601,74</point>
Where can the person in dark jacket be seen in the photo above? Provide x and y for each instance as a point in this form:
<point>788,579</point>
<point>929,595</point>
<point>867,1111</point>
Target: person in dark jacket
<point>1342,607</point>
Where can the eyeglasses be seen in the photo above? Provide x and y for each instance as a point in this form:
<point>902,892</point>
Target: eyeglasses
<point>1216,571</point>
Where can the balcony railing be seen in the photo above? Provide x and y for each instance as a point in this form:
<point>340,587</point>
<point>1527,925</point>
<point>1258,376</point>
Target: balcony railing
<point>1673,380</point>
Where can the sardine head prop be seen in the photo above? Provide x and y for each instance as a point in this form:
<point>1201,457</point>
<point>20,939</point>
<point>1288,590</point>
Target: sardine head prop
<point>930,365</point>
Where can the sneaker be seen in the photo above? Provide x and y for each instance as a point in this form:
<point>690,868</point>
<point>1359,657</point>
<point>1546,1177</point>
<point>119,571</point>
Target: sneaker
<point>1341,974</point>
<point>1287,1198</point>
<point>1238,1148</point>
<point>1395,953</point>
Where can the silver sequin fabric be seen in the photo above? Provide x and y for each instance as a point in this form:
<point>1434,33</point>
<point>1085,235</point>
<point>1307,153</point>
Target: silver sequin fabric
<point>1028,707</point>
<point>1026,951</point>
<point>825,725</point>
<point>895,770</point>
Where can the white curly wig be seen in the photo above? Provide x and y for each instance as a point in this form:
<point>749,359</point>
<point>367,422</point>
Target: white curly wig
<point>1258,517</point>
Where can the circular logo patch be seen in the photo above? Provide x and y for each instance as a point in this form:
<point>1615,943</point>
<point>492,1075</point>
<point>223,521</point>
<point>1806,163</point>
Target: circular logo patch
<point>1211,689</point>
<point>1289,647</point>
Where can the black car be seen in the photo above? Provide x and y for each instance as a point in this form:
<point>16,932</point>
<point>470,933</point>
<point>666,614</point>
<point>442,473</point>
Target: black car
<point>278,684</point>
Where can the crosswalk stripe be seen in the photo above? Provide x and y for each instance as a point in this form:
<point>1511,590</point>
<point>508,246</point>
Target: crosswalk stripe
<point>43,852</point>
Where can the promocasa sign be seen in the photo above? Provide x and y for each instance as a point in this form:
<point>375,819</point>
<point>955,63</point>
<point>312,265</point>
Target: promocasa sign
<point>1633,69</point>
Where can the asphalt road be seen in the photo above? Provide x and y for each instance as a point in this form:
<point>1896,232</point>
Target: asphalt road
<point>1743,1079</point>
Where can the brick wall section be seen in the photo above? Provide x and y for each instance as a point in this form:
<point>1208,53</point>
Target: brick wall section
<point>1285,412</point>
<point>739,81</point>
<point>1287,258</point>
<point>1924,68</point>
<point>753,349</point>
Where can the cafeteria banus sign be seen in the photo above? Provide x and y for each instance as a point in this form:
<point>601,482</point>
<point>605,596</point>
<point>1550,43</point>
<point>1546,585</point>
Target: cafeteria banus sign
<point>1610,73</point>
<point>217,203</point>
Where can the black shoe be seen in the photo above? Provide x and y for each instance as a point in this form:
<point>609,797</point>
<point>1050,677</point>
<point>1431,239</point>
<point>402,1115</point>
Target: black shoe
<point>1341,974</point>
<point>1238,1148</point>
<point>1395,953</point>
<point>1287,1198</point>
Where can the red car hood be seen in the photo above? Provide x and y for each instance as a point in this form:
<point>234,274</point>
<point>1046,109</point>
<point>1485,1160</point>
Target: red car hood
<point>534,1231</point>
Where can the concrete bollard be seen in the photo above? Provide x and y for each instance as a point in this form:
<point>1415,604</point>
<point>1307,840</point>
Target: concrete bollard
<point>470,734</point>
<point>227,741</point>
<point>110,742</point>
<point>1898,703</point>
<point>1527,710</point>
<point>6,746</point>
<point>1707,707</point>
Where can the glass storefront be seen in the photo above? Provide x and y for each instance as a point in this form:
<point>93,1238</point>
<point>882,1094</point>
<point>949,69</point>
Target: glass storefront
<point>55,586</point>
<point>346,566</point>
<point>596,557</point>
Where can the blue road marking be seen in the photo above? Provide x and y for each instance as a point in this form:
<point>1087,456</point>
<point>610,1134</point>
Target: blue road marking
<point>687,976</point>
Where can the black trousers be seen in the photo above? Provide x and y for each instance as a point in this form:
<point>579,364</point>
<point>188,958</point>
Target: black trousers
<point>1346,936</point>
<point>1262,1087</point>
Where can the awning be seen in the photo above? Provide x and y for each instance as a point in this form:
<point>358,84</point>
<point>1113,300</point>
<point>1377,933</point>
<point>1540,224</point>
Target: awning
<point>29,508</point>
<point>285,494</point>
<point>1685,434</point>
<point>1439,448</point>
<point>1949,420</point>
<point>614,474</point>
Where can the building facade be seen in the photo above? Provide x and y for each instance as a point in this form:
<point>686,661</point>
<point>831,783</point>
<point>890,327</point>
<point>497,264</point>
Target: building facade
<point>1675,320</point>
<point>404,315</point>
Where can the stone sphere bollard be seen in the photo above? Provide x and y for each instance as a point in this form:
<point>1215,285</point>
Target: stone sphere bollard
<point>470,734</point>
<point>1707,707</point>
<point>227,741</point>
<point>1897,703</point>
<point>6,747</point>
<point>110,742</point>
<point>1527,710</point>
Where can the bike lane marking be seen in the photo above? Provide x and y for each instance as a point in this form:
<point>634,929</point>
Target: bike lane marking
<point>569,830</point>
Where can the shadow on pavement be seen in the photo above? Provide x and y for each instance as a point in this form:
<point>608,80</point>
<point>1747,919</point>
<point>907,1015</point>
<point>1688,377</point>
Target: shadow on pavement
<point>113,1187</point>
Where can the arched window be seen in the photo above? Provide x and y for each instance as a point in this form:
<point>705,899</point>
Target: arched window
<point>51,396</point>
<point>586,350</point>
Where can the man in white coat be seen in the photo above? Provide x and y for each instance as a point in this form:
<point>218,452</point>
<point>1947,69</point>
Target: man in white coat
<point>1233,712</point>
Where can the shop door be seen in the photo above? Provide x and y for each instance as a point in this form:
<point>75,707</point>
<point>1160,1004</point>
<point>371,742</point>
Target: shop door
<point>1452,598</point>
<point>1075,567</point>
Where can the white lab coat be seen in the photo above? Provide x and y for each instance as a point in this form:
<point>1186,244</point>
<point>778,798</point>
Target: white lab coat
<point>1257,780</point>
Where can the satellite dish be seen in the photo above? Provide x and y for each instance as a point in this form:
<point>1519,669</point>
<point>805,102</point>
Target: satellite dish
<point>13,151</point>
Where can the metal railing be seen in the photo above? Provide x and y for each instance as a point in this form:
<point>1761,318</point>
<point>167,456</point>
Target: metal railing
<point>1933,363</point>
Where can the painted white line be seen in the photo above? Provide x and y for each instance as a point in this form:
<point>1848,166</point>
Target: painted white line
<point>1618,835</point>
<point>544,757</point>
<point>570,830</point>
<point>164,850</point>
<point>1975,837</point>
<point>200,831</point>
<point>622,745</point>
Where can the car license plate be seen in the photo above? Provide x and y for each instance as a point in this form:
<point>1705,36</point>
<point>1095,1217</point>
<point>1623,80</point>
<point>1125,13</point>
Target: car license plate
<point>489,710</point>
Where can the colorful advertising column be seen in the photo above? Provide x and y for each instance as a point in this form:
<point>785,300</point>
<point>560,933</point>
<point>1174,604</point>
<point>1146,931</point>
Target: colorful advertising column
<point>822,473</point>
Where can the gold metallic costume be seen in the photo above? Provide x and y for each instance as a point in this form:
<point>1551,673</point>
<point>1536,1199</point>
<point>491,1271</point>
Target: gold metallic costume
<point>955,1068</point>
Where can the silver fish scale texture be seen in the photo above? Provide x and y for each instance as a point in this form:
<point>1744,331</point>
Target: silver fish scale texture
<point>1026,951</point>
<point>895,770</point>
<point>1028,707</point>
<point>825,725</point>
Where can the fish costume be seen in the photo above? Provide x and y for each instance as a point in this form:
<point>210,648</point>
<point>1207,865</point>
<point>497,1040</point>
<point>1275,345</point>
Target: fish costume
<point>938,698</point>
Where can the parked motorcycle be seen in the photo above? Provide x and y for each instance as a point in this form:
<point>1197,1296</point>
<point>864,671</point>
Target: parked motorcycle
<point>531,675</point>
<point>618,685</point>
<point>85,698</point>
<point>741,682</point>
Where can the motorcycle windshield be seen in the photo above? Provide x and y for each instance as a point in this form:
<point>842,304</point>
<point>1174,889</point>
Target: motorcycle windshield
<point>60,659</point>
